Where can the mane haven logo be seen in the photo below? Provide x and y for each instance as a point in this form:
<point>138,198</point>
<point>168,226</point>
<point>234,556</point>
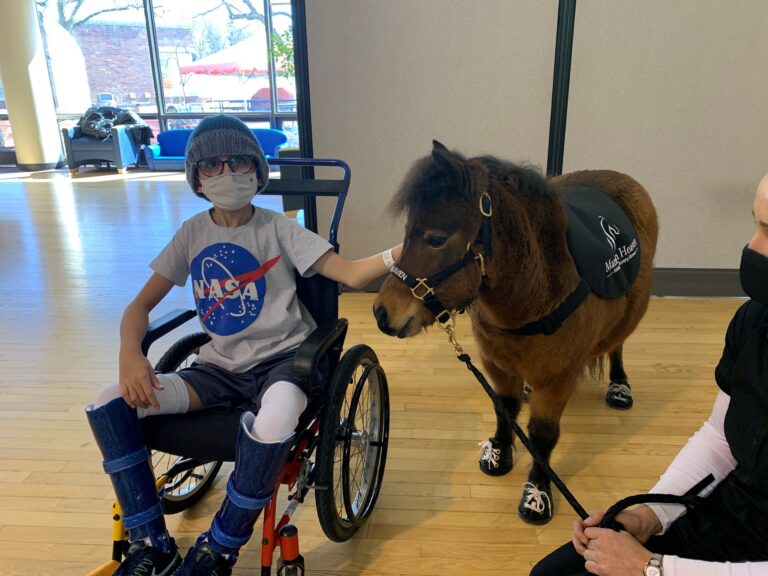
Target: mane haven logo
<point>229,286</point>
<point>621,253</point>
<point>611,232</point>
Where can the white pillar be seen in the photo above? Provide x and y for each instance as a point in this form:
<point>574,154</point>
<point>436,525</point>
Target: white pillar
<point>27,88</point>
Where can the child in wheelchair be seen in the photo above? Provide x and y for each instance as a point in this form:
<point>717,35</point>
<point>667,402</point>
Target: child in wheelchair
<point>241,260</point>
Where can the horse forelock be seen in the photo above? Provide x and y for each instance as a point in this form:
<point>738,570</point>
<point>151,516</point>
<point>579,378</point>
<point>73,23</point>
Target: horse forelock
<point>428,186</point>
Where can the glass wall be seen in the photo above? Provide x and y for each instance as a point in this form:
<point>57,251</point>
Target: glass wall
<point>233,57</point>
<point>98,55</point>
<point>200,57</point>
<point>6,136</point>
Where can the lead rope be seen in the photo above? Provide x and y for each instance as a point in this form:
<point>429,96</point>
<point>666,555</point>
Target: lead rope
<point>449,327</point>
<point>689,499</point>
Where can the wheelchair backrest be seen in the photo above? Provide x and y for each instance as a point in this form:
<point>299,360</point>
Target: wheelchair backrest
<point>309,189</point>
<point>320,296</point>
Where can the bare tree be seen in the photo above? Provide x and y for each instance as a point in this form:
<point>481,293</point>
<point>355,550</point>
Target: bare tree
<point>73,13</point>
<point>242,10</point>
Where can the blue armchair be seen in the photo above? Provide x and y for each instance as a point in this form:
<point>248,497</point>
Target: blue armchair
<point>119,149</point>
<point>270,140</point>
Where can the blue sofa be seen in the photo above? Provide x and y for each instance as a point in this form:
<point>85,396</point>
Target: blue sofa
<point>168,153</point>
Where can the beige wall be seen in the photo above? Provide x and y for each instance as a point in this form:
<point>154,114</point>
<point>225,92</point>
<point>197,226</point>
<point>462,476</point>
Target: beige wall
<point>670,91</point>
<point>675,93</point>
<point>388,77</point>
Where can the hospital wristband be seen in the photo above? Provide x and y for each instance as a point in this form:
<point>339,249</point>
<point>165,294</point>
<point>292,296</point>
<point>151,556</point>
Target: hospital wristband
<point>388,260</point>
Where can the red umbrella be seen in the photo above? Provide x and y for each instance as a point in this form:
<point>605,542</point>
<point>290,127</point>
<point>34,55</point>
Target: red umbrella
<point>282,94</point>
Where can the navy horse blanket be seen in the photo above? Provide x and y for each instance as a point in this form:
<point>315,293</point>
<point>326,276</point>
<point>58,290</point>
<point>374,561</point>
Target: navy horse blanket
<point>602,241</point>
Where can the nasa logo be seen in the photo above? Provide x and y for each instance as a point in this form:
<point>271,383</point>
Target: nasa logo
<point>229,287</point>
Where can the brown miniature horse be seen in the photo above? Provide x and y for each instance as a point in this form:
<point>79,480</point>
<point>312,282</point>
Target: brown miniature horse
<point>490,237</point>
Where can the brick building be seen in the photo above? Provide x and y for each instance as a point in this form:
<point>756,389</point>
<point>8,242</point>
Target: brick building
<point>117,58</point>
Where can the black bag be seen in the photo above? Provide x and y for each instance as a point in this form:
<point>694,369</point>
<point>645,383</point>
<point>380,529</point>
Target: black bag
<point>98,121</point>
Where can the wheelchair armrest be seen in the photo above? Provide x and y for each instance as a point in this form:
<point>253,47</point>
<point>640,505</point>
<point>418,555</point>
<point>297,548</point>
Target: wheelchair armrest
<point>160,327</point>
<point>317,344</point>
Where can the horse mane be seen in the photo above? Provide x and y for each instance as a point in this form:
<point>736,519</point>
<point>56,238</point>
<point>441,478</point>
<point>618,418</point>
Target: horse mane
<point>426,185</point>
<point>526,178</point>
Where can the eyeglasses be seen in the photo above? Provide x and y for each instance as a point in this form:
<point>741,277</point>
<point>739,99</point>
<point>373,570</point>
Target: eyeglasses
<point>213,166</point>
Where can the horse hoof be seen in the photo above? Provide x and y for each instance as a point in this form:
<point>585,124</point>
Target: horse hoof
<point>536,504</point>
<point>619,396</point>
<point>496,459</point>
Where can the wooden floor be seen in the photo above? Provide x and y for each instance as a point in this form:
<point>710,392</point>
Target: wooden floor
<point>74,250</point>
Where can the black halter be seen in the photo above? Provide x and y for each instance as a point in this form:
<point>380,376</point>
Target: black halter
<point>424,288</point>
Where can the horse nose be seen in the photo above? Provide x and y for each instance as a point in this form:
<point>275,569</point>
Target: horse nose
<point>380,313</point>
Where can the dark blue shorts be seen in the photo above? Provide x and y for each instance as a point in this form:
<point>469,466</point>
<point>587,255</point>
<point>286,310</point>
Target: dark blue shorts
<point>218,387</point>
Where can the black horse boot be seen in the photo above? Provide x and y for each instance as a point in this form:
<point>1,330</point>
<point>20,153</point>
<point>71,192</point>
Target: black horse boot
<point>536,504</point>
<point>249,489</point>
<point>116,429</point>
<point>495,458</point>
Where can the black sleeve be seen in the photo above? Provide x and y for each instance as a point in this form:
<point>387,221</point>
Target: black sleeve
<point>743,323</point>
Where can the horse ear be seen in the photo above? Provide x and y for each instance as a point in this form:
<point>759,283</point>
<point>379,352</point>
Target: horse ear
<point>443,157</point>
<point>436,145</point>
<point>449,163</point>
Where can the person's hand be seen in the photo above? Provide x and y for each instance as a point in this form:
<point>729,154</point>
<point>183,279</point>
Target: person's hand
<point>640,522</point>
<point>138,382</point>
<point>611,553</point>
<point>578,538</point>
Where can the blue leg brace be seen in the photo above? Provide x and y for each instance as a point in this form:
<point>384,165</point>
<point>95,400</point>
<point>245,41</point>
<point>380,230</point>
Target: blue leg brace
<point>249,489</point>
<point>126,459</point>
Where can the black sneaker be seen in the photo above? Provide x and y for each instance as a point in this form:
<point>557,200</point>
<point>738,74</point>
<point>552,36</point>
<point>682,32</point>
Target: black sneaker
<point>145,560</point>
<point>202,560</point>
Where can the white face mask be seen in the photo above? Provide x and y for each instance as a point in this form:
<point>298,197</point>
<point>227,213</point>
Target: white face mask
<point>229,190</point>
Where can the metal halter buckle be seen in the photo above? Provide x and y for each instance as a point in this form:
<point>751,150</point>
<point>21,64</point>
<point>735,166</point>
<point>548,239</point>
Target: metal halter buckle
<point>422,283</point>
<point>487,212</point>
<point>444,318</point>
<point>480,258</point>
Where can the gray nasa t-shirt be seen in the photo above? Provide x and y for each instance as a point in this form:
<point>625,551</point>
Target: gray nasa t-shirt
<point>243,284</point>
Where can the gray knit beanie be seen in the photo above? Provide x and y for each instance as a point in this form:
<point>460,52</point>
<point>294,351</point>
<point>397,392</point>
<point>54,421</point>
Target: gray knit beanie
<point>222,135</point>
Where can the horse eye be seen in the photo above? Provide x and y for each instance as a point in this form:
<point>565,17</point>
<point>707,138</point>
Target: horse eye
<point>436,241</point>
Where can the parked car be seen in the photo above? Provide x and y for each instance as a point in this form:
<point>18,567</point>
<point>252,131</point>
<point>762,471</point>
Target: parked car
<point>106,99</point>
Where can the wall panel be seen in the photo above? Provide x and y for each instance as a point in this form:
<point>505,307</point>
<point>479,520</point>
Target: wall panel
<point>386,78</point>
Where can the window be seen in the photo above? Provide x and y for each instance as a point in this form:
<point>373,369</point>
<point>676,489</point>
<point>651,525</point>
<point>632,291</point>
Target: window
<point>212,56</point>
<point>6,136</point>
<point>97,52</point>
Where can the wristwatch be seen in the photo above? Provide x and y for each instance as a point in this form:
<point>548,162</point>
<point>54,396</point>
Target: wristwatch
<point>653,567</point>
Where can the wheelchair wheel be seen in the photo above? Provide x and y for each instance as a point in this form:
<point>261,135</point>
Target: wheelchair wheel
<point>352,448</point>
<point>185,489</point>
<point>182,353</point>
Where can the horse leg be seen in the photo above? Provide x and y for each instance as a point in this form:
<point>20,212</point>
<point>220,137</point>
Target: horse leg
<point>498,456</point>
<point>547,405</point>
<point>619,393</point>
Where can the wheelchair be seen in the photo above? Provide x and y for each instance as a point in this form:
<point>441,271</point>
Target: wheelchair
<point>340,448</point>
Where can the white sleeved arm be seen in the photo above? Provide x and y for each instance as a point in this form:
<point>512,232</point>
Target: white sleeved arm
<point>674,566</point>
<point>706,452</point>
